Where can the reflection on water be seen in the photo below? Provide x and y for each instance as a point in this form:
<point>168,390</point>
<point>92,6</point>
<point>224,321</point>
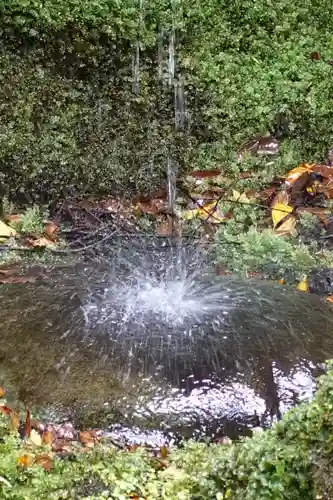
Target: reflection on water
<point>242,354</point>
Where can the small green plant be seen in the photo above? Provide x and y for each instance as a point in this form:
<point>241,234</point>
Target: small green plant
<point>32,221</point>
<point>262,251</point>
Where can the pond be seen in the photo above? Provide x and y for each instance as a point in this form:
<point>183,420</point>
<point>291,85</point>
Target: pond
<point>156,346</point>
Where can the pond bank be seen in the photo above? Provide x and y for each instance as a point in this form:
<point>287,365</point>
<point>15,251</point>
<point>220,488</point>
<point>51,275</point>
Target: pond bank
<point>291,460</point>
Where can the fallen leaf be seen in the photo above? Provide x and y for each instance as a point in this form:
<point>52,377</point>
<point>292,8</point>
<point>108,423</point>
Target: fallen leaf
<point>164,451</point>
<point>40,242</point>
<point>330,298</point>
<point>296,173</point>
<point>88,438</point>
<point>240,197</point>
<point>5,410</point>
<point>315,56</point>
<point>51,229</point>
<point>27,425</point>
<point>303,285</point>
<point>15,218</point>
<point>48,437</point>
<point>14,421</point>
<point>2,392</point>
<point>26,460</point>
<point>283,220</point>
<point>45,460</point>
<point>35,438</point>
<point>61,446</point>
<point>6,231</point>
<point>208,211</point>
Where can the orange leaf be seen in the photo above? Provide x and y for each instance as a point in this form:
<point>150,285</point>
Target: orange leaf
<point>88,438</point>
<point>2,392</point>
<point>45,460</point>
<point>14,421</point>
<point>27,425</point>
<point>330,298</point>
<point>26,460</point>
<point>47,437</point>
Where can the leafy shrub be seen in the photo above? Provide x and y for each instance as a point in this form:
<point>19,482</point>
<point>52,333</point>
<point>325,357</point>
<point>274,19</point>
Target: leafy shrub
<point>70,120</point>
<point>261,251</point>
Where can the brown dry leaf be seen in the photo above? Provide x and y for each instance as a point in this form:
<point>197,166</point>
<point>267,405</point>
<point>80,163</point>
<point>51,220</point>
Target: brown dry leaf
<point>45,460</point>
<point>35,437</point>
<point>323,170</point>
<point>41,242</point>
<point>2,392</point>
<point>51,229</point>
<point>14,421</point>
<point>13,218</point>
<point>61,446</point>
<point>26,460</point>
<point>330,298</point>
<point>27,425</point>
<point>204,174</point>
<point>88,438</point>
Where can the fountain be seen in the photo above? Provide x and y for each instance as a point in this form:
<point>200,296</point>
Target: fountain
<point>153,341</point>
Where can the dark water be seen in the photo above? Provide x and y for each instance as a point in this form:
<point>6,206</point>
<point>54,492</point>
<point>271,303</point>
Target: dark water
<point>236,356</point>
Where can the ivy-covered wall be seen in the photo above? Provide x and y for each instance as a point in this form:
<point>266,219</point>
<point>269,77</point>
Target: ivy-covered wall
<point>72,118</point>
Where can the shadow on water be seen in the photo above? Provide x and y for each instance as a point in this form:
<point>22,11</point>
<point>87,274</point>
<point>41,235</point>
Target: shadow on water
<point>186,351</point>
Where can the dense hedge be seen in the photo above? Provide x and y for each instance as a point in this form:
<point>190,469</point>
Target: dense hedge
<point>70,117</point>
<point>293,460</point>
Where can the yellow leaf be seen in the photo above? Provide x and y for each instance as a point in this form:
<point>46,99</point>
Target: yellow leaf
<point>240,197</point>
<point>294,174</point>
<point>6,231</point>
<point>209,211</point>
<point>35,437</point>
<point>303,285</point>
<point>279,211</point>
<point>26,460</point>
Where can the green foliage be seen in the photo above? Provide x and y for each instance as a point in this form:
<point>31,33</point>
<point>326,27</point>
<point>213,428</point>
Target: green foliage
<point>293,461</point>
<point>31,221</point>
<point>263,251</point>
<point>71,121</point>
